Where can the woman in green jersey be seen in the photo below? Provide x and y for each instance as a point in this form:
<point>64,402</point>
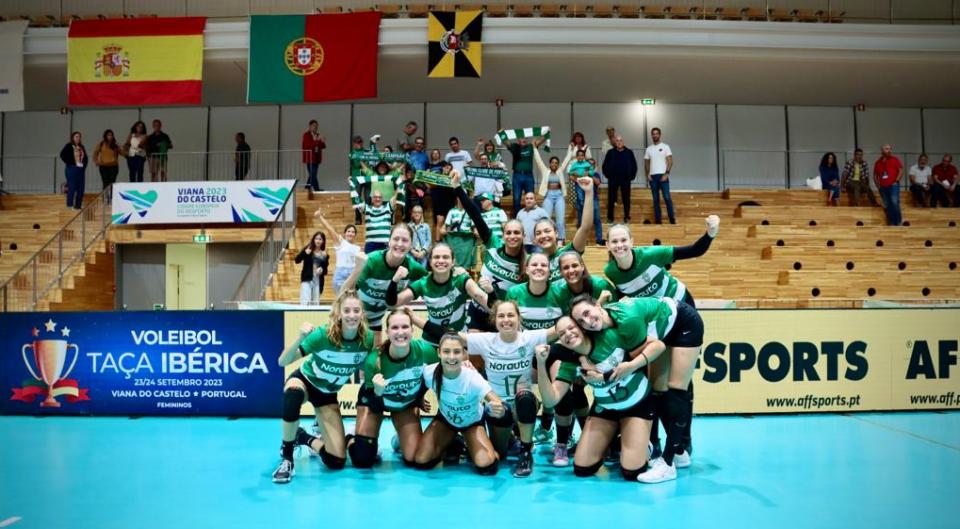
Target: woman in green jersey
<point>545,231</point>
<point>333,352</point>
<point>393,381</point>
<point>444,292</point>
<point>372,274</point>
<point>537,309</point>
<point>621,401</point>
<point>462,395</point>
<point>680,327</point>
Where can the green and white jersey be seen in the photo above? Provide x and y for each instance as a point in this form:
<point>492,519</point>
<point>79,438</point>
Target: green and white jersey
<point>503,270</point>
<point>375,279</point>
<point>555,260</point>
<point>607,352</point>
<point>458,222</point>
<point>636,318</point>
<point>329,367</point>
<point>404,377</point>
<point>495,218</point>
<point>378,221</point>
<point>446,303</point>
<point>562,295</point>
<point>647,277</point>
<point>536,312</point>
<point>509,365</point>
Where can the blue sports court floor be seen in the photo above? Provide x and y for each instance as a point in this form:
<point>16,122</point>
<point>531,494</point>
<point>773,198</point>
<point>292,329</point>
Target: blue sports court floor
<point>864,470</point>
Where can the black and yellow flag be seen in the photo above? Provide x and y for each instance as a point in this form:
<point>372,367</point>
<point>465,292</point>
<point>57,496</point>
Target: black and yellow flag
<point>454,43</point>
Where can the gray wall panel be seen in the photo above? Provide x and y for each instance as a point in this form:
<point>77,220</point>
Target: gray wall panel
<point>386,120</point>
<point>592,120</point>
<point>31,147</point>
<point>142,275</point>
<point>752,145</point>
<point>815,131</point>
<point>334,123</point>
<point>187,128</point>
<point>691,132</point>
<point>941,132</point>
<point>260,125</point>
<point>467,121</point>
<point>226,266</point>
<point>900,127</point>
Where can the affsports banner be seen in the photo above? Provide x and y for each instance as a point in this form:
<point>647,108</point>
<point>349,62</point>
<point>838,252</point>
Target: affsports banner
<point>802,361</point>
<point>142,363</point>
<point>201,202</point>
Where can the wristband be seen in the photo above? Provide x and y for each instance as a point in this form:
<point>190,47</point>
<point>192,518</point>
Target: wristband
<point>646,361</point>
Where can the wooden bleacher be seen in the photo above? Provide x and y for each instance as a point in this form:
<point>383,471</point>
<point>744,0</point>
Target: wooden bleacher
<point>754,261</point>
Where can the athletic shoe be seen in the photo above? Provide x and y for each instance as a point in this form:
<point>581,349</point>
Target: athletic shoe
<point>653,450</point>
<point>542,435</point>
<point>682,460</point>
<point>658,472</point>
<point>560,457</point>
<point>524,466</point>
<point>285,472</point>
<point>514,448</point>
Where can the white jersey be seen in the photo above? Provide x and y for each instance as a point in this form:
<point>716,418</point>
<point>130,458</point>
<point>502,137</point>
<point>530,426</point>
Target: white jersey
<point>461,398</point>
<point>509,366</point>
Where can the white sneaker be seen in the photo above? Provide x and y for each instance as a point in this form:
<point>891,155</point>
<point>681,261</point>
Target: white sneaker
<point>682,460</point>
<point>658,472</point>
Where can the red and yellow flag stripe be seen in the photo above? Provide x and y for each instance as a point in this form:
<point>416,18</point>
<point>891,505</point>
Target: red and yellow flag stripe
<point>143,61</point>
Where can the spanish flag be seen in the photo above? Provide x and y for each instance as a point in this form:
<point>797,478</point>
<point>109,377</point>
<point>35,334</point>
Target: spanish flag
<point>137,61</point>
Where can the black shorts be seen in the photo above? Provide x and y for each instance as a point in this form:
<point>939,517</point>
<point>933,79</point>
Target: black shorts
<point>458,429</point>
<point>687,329</point>
<point>316,397</point>
<point>441,200</point>
<point>479,319</point>
<point>575,399</point>
<point>369,398</point>
<point>642,410</point>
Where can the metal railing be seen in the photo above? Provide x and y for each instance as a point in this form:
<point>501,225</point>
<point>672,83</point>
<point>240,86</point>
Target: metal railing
<point>263,266</point>
<point>29,285</point>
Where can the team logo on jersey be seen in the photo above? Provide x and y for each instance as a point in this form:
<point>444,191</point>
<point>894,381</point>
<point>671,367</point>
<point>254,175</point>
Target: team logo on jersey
<point>49,354</point>
<point>112,62</point>
<point>303,56</point>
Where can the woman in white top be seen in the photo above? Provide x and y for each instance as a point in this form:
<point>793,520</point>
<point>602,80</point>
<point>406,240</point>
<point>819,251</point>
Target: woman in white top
<point>553,186</point>
<point>462,394</point>
<point>579,143</point>
<point>346,250</point>
<point>135,149</point>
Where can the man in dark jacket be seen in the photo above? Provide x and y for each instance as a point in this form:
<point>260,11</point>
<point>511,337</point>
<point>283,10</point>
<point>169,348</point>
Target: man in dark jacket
<point>620,168</point>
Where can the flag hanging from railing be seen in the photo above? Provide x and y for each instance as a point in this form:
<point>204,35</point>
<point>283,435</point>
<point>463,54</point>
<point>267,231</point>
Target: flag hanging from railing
<point>135,61</point>
<point>454,46</point>
<point>298,58</point>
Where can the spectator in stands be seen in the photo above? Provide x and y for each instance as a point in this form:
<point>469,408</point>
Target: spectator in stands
<point>830,178</point>
<point>887,172</point>
<point>620,168</point>
<point>607,144</point>
<point>522,180</point>
<point>458,232</point>
<point>492,215</point>
<point>417,156</point>
<point>315,262</point>
<point>345,249</point>
<point>491,186</point>
<point>107,157</point>
<point>442,198</point>
<point>944,184</point>
<point>378,218</point>
<point>356,169</point>
<point>657,164</point>
<point>529,216</point>
<point>406,142</point>
<point>487,147</point>
<point>586,168</point>
<point>579,143</point>
<point>312,146</point>
<point>553,188</point>
<point>241,157</point>
<point>422,238</point>
<point>457,157</point>
<point>158,147</point>
<point>74,156</point>
<point>920,179</point>
<point>855,179</point>
<point>135,149</point>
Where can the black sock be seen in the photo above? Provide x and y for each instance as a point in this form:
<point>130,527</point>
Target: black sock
<point>286,450</point>
<point>657,405</point>
<point>304,439</point>
<point>563,433</point>
<point>687,441</point>
<point>675,418</point>
<point>546,421</point>
<point>527,448</point>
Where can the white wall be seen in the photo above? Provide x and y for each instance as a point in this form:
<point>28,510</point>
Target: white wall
<point>815,131</point>
<point>752,144</point>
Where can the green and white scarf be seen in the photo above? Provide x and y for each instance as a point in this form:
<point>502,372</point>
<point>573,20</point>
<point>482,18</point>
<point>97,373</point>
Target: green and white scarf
<point>528,132</point>
<point>357,181</point>
<point>377,157</point>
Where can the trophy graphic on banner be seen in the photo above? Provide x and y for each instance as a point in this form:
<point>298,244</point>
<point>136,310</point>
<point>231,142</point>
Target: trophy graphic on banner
<point>49,357</point>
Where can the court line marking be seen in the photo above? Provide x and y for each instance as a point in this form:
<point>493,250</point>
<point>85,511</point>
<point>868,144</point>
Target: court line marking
<point>10,521</point>
<point>905,432</point>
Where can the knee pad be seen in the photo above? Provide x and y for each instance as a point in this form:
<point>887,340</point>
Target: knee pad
<point>565,406</point>
<point>331,461</point>
<point>489,470</point>
<point>587,471</point>
<point>292,400</point>
<point>526,404</point>
<point>428,465</point>
<point>363,451</point>
<point>408,463</point>
<point>631,475</point>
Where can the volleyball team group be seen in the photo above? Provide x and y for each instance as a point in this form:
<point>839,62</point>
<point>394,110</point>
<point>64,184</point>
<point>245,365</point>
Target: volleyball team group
<point>527,319</point>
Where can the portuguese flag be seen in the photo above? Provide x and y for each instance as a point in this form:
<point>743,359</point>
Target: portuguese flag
<point>133,62</point>
<point>298,58</point>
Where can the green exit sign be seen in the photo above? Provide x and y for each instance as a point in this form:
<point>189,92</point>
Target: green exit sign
<point>202,238</point>
<point>647,101</point>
